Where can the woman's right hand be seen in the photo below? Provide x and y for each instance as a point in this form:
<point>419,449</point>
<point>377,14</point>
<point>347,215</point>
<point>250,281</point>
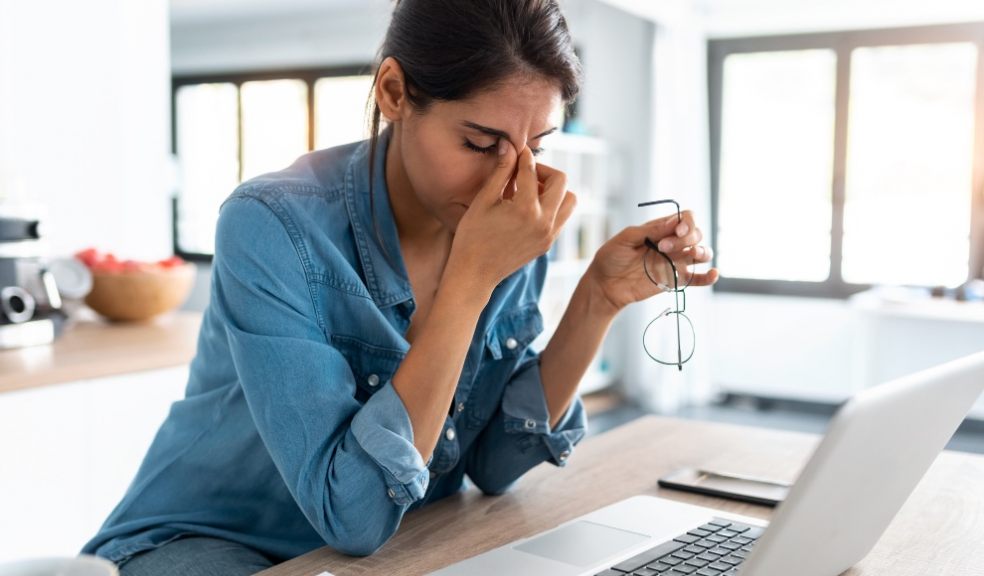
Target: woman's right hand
<point>498,234</point>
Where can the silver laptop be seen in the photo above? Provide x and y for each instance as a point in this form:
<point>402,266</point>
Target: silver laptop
<point>877,448</point>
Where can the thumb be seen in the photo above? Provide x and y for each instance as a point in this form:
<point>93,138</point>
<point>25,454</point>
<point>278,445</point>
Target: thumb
<point>504,169</point>
<point>655,230</point>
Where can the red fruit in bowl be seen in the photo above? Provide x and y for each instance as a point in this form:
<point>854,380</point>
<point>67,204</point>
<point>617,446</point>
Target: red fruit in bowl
<point>172,262</point>
<point>89,256</point>
<point>108,266</point>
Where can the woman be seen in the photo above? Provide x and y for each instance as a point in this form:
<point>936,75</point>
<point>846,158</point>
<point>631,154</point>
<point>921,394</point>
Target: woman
<point>366,344</point>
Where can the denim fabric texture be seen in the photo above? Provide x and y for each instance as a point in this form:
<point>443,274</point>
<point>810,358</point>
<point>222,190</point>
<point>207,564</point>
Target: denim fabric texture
<point>197,556</point>
<point>290,435</point>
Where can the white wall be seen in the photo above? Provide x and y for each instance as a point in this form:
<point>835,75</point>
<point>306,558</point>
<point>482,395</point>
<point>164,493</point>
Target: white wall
<point>726,18</point>
<point>84,111</point>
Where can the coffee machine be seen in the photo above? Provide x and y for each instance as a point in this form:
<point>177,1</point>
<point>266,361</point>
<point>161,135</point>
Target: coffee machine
<point>30,304</point>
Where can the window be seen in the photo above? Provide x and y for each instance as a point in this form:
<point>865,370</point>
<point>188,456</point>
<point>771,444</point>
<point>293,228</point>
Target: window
<point>844,160</point>
<point>230,128</point>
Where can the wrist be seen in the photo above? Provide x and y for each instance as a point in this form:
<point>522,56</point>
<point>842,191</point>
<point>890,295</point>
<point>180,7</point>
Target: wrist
<point>465,284</point>
<point>594,300</point>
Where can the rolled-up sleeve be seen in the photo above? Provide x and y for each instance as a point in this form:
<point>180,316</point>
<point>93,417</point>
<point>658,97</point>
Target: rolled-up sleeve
<point>519,435</point>
<point>352,468</point>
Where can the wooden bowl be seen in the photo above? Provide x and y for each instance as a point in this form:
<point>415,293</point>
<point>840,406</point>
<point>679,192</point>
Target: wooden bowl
<point>140,294</point>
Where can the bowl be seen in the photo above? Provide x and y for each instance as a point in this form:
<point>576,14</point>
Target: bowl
<point>137,295</point>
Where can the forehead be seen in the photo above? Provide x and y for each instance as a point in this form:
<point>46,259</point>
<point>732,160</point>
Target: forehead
<point>517,105</point>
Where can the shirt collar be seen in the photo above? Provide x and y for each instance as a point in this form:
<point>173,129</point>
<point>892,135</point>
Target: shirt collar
<point>378,243</point>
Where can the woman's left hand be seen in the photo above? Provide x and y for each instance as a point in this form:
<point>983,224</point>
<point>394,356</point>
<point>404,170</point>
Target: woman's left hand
<point>617,269</point>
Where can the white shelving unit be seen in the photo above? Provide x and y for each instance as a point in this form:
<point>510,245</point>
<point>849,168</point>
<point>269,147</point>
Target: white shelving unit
<point>585,161</point>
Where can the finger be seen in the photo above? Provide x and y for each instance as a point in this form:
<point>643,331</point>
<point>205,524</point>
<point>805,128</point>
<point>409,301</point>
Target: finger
<point>510,190</point>
<point>654,230</point>
<point>554,188</point>
<point>704,278</point>
<point>526,182</point>
<point>691,238</point>
<point>694,254</point>
<point>686,224</point>
<point>564,212</point>
<point>685,230</point>
<point>504,169</point>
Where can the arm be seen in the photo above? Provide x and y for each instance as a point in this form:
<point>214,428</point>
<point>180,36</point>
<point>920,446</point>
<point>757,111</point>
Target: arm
<point>573,346</point>
<point>525,431</point>
<point>428,376</point>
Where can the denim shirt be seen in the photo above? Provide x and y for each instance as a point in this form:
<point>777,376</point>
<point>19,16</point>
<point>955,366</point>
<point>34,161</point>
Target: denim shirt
<point>290,435</point>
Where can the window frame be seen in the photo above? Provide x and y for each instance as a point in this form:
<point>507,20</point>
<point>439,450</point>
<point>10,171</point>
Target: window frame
<point>307,75</point>
<point>842,43</point>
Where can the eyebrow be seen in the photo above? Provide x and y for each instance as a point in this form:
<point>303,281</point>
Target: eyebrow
<point>501,133</point>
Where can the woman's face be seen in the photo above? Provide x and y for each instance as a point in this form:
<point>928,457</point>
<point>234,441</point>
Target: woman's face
<point>449,151</point>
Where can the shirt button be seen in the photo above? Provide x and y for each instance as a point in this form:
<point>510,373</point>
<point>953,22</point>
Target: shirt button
<point>461,406</point>
<point>511,343</point>
<point>563,455</point>
<point>391,493</point>
<point>374,380</point>
<point>449,434</point>
<point>530,424</point>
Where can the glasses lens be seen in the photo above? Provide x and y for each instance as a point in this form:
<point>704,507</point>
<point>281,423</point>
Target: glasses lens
<point>658,269</point>
<point>660,272</point>
<point>669,338</point>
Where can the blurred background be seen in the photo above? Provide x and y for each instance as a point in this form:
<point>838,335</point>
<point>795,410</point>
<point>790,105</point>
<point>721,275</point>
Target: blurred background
<point>831,151</point>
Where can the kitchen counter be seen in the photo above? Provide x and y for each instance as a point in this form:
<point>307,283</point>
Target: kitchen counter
<point>92,348</point>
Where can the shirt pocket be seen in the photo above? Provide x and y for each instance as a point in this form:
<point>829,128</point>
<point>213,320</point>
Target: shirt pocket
<point>371,365</point>
<point>506,340</point>
<point>511,333</point>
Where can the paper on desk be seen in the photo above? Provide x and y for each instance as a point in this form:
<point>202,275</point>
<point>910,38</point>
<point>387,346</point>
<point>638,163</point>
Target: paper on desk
<point>325,574</point>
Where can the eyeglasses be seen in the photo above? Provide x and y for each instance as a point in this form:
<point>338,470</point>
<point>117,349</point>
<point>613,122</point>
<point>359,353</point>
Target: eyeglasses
<point>672,323</point>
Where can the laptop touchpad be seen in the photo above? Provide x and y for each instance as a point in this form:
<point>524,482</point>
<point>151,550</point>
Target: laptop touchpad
<point>581,543</point>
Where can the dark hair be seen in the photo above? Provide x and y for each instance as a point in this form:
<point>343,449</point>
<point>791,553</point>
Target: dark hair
<point>452,49</point>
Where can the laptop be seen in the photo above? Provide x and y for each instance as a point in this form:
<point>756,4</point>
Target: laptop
<point>877,448</point>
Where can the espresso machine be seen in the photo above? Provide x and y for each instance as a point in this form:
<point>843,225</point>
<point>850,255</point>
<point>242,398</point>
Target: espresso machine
<point>30,303</point>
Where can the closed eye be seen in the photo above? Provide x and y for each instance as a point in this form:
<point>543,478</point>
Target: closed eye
<point>493,148</point>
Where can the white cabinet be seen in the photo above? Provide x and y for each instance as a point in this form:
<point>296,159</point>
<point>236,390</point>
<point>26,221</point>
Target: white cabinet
<point>899,338</point>
<point>68,453</point>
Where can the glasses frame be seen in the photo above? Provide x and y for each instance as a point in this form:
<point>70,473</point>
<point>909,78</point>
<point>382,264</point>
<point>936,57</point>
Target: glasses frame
<point>679,311</point>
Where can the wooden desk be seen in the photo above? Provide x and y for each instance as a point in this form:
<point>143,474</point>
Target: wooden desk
<point>943,522</point>
<point>93,348</point>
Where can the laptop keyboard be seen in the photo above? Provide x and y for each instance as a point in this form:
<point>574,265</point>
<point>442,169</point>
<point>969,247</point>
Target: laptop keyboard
<point>715,549</point>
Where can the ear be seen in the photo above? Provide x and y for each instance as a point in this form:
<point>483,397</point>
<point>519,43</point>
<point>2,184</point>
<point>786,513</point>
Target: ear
<point>390,90</point>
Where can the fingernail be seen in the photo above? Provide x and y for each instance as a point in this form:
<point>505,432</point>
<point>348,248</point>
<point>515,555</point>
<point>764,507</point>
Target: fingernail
<point>682,229</point>
<point>665,245</point>
<point>502,146</point>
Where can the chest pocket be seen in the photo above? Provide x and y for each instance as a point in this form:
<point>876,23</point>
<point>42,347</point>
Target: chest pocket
<point>512,332</point>
<point>505,341</point>
<point>371,365</point>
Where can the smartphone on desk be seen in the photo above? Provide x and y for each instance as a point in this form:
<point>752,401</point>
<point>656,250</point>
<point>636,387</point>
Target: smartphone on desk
<point>723,485</point>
